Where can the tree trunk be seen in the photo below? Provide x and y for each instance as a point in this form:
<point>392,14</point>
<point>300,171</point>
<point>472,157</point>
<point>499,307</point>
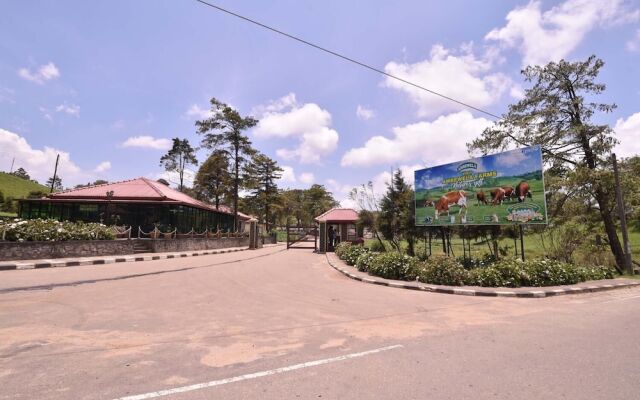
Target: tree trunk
<point>610,229</point>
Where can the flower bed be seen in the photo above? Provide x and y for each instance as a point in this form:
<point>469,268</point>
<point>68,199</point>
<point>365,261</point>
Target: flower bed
<point>49,230</point>
<point>441,270</point>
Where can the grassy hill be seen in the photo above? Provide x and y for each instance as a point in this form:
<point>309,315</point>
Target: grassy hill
<point>12,186</point>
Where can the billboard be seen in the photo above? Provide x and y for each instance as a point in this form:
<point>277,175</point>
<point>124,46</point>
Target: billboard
<point>498,189</point>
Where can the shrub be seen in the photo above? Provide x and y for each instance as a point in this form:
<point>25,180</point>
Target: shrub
<point>442,270</point>
<point>341,249</point>
<point>471,262</point>
<point>506,272</point>
<point>394,265</point>
<point>594,273</point>
<point>52,230</point>
<point>549,273</point>
<point>364,261</point>
<point>351,254</point>
<point>377,247</point>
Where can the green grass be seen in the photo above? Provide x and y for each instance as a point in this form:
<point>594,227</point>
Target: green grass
<point>533,247</point>
<point>7,214</point>
<point>12,186</point>
<point>478,214</point>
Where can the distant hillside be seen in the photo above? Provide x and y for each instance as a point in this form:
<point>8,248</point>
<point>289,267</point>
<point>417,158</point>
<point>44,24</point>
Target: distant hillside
<point>12,186</point>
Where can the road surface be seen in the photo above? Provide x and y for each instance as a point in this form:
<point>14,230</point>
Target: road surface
<point>277,324</point>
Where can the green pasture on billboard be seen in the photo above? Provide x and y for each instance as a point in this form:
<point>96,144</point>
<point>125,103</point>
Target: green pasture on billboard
<point>498,189</point>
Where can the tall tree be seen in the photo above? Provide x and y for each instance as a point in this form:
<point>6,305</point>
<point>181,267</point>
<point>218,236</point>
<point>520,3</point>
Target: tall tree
<point>178,157</point>
<point>396,213</point>
<point>318,200</point>
<point>369,206</point>
<point>57,185</point>
<point>224,130</point>
<point>557,113</point>
<point>213,181</point>
<point>21,173</point>
<point>262,174</point>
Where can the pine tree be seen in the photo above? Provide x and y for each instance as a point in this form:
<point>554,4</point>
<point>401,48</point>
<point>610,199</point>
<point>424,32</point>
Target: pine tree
<point>178,157</point>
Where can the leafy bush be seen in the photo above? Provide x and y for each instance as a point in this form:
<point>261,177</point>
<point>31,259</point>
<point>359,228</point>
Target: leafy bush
<point>365,260</point>
<point>506,272</point>
<point>52,230</point>
<point>594,273</point>
<point>471,262</point>
<point>394,265</point>
<point>377,247</point>
<point>351,254</point>
<point>341,249</point>
<point>442,270</point>
<point>549,273</point>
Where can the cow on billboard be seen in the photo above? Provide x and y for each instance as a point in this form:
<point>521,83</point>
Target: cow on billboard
<point>508,188</point>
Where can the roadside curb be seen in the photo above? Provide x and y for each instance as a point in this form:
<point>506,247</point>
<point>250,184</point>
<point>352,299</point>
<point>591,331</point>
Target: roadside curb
<point>339,266</point>
<point>81,261</point>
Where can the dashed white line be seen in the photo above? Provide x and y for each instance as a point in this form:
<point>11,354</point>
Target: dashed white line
<point>198,386</point>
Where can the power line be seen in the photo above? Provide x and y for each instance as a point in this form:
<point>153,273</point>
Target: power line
<point>351,60</point>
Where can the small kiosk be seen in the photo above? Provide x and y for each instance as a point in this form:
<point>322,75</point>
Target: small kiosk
<point>337,225</point>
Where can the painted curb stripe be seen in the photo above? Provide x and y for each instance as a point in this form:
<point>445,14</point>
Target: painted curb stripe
<point>470,292</point>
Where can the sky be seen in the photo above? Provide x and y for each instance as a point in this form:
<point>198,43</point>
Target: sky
<point>107,84</point>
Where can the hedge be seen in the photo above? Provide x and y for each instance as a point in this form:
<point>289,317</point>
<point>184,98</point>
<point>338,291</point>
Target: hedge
<point>21,230</point>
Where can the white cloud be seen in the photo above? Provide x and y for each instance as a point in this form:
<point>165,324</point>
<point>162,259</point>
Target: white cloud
<point>70,109</point>
<point>148,142</point>
<point>434,142</point>
<point>103,166</point>
<point>551,35</point>
<point>287,175</point>
<point>196,112</point>
<point>628,133</point>
<point>307,178</point>
<point>286,118</point>
<point>633,44</point>
<point>364,112</point>
<point>459,75</point>
<point>45,73</point>
<point>39,163</point>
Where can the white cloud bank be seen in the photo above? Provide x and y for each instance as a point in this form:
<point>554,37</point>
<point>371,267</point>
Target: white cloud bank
<point>196,112</point>
<point>307,178</point>
<point>44,73</point>
<point>551,35</point>
<point>459,75</point>
<point>309,123</point>
<point>434,142</point>
<point>39,163</point>
<point>628,133</point>
<point>103,167</point>
<point>148,142</point>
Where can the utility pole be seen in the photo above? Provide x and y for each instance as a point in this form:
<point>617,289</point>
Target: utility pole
<point>12,161</point>
<point>55,172</point>
<point>623,219</point>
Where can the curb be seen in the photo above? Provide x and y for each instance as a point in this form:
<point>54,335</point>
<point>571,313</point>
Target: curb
<point>537,294</point>
<point>109,260</point>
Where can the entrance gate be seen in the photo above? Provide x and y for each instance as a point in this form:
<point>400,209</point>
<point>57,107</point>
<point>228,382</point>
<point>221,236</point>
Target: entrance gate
<point>302,237</point>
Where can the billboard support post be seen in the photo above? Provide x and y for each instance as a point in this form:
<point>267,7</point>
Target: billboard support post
<point>521,241</point>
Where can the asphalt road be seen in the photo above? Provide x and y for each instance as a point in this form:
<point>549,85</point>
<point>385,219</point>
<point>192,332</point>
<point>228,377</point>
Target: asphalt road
<point>274,324</point>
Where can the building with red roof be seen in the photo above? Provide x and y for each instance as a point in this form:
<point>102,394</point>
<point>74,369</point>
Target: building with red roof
<point>137,202</point>
<point>337,225</point>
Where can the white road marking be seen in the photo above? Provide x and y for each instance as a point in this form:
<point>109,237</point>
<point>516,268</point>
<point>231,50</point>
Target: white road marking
<point>198,386</point>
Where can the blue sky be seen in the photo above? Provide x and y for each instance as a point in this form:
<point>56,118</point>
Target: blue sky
<point>108,83</point>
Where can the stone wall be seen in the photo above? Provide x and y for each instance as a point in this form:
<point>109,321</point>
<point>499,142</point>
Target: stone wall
<point>187,244</point>
<point>75,248</point>
<point>89,248</point>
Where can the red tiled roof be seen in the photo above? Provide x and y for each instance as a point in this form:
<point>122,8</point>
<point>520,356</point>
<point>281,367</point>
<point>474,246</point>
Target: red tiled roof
<point>139,189</point>
<point>338,215</point>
